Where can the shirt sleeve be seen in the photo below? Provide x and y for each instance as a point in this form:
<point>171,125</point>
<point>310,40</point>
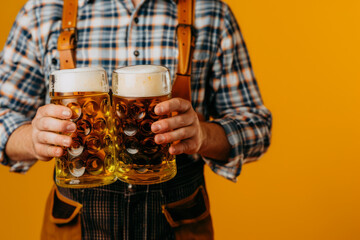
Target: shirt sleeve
<point>22,87</point>
<point>239,108</point>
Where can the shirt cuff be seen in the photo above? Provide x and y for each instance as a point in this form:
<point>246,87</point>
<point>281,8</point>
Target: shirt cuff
<point>21,166</point>
<point>17,166</point>
<point>231,168</point>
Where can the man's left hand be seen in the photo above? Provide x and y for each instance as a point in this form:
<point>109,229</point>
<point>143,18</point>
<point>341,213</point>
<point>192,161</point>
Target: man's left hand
<point>183,130</point>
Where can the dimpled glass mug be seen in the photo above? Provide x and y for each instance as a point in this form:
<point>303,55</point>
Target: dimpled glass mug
<point>89,161</point>
<point>136,92</point>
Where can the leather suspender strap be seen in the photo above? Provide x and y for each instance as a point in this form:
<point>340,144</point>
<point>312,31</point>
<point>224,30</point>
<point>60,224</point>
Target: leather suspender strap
<point>185,35</point>
<point>68,35</point>
<point>186,44</point>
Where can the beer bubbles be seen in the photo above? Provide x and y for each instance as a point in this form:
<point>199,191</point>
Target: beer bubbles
<point>113,141</point>
<point>89,161</point>
<point>136,92</point>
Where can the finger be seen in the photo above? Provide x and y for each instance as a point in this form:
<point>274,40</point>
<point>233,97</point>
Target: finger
<point>54,139</point>
<point>178,134</point>
<point>45,151</point>
<point>172,123</point>
<point>54,125</point>
<point>172,105</point>
<point>187,146</point>
<point>55,111</point>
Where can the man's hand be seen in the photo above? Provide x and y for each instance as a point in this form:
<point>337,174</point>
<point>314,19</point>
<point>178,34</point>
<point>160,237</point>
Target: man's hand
<point>48,128</point>
<point>184,128</point>
<point>187,133</point>
<point>38,139</point>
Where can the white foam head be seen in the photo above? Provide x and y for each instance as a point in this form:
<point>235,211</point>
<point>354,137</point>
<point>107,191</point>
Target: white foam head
<point>141,81</point>
<point>87,79</point>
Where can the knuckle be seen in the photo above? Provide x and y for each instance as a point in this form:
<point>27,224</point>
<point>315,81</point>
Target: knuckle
<point>50,109</point>
<point>195,145</point>
<point>165,103</point>
<point>59,140</point>
<point>34,134</point>
<point>191,147</point>
<point>185,147</point>
<point>194,117</point>
<point>166,138</point>
<point>34,122</point>
<point>182,133</point>
<point>63,125</point>
<point>41,110</point>
<point>180,121</point>
<point>48,151</point>
<point>42,137</point>
<point>51,151</point>
<point>37,150</point>
<point>36,118</point>
<point>57,152</point>
<point>186,102</point>
<point>44,122</point>
<point>195,132</point>
<point>177,102</point>
<point>165,124</point>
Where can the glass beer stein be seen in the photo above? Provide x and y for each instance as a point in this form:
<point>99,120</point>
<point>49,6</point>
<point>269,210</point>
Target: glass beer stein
<point>136,92</point>
<point>89,161</point>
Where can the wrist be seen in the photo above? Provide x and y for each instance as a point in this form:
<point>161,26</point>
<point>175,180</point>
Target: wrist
<point>29,148</point>
<point>214,144</point>
<point>20,145</point>
<point>203,137</point>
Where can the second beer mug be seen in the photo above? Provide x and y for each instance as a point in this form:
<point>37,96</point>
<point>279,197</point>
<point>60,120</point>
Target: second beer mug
<point>136,92</point>
<point>89,162</point>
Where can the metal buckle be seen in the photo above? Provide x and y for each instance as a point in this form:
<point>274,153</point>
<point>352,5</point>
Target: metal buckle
<point>71,30</point>
<point>67,39</point>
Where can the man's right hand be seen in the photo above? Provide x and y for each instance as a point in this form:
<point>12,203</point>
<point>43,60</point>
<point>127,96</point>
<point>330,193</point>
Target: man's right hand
<point>47,135</point>
<point>49,121</point>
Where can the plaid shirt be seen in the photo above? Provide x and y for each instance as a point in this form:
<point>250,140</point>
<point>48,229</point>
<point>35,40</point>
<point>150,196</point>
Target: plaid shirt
<point>112,33</point>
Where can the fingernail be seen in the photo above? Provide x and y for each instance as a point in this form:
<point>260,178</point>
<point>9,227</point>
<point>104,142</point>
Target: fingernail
<point>160,139</point>
<point>66,113</point>
<point>66,142</point>
<point>159,110</point>
<point>156,127</point>
<point>70,128</point>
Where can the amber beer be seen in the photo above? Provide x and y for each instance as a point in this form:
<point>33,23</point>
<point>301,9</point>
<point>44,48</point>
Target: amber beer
<point>136,92</point>
<point>89,161</point>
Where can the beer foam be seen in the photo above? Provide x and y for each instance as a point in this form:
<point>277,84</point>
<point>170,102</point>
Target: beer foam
<point>87,79</point>
<point>141,81</point>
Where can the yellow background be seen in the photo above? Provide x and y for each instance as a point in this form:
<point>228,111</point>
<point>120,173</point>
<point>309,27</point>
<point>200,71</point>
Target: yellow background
<point>306,58</point>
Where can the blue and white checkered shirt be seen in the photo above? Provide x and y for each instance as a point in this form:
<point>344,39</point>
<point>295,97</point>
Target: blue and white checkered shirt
<point>112,33</point>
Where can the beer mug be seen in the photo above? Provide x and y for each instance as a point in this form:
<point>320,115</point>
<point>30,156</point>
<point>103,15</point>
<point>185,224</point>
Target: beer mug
<point>89,161</point>
<point>136,92</point>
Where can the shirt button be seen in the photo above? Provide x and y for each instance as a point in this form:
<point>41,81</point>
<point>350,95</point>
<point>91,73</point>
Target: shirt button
<point>131,188</point>
<point>136,20</point>
<point>54,61</point>
<point>136,53</point>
